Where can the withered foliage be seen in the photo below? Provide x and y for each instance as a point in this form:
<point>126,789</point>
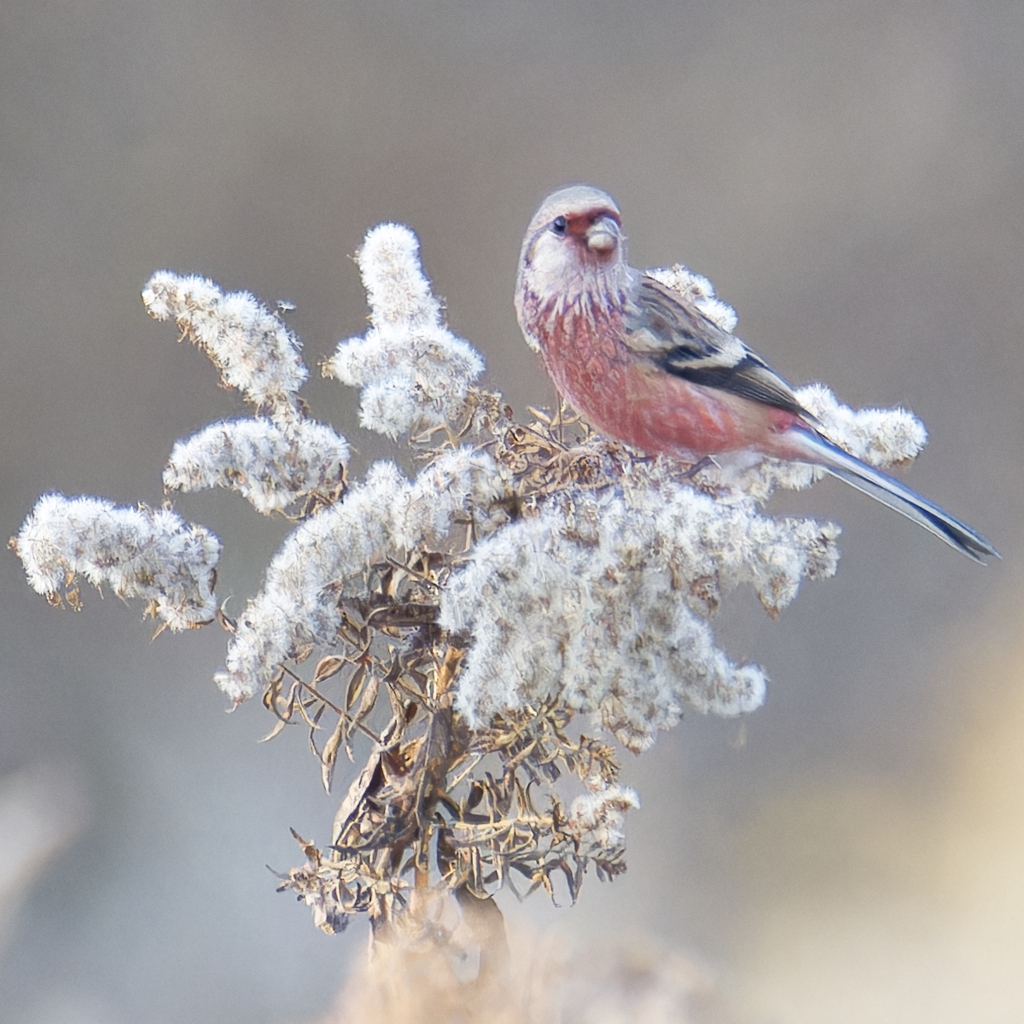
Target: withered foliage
<point>438,804</point>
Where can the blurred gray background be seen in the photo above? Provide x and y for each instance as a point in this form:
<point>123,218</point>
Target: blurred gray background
<point>850,177</point>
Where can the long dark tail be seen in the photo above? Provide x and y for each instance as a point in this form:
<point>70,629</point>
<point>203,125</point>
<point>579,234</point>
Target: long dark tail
<point>891,492</point>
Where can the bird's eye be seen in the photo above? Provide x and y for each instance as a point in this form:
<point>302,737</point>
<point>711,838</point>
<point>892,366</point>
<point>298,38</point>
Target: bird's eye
<point>559,225</point>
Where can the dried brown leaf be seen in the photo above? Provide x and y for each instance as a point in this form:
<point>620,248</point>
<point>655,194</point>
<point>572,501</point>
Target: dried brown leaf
<point>355,685</point>
<point>279,727</point>
<point>326,667</point>
<point>356,793</point>
<point>330,752</point>
<point>308,848</point>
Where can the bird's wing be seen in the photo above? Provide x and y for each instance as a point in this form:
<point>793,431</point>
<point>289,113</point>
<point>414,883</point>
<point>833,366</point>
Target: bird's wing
<point>663,326</point>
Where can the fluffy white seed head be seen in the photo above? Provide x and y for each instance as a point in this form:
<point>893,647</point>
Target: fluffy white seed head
<point>598,818</point>
<point>295,608</point>
<point>460,483</point>
<point>396,287</point>
<point>601,602</point>
<point>138,552</point>
<point>412,370</point>
<point>326,557</point>
<point>253,349</point>
<point>271,464</point>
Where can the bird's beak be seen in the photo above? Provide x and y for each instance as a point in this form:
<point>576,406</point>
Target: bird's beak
<point>602,236</point>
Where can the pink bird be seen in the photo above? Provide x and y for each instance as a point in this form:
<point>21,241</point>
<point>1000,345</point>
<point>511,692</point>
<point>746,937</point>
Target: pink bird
<point>644,366</point>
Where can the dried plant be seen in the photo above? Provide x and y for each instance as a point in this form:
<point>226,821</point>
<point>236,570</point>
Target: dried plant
<point>445,969</point>
<point>480,634</point>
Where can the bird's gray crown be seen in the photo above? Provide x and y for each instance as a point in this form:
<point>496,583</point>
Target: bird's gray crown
<point>573,199</point>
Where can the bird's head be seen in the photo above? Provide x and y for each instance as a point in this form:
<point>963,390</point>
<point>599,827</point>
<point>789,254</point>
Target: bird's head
<point>575,236</point>
<point>575,226</point>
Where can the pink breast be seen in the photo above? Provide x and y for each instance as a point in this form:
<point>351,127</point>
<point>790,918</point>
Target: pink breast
<point>626,397</point>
